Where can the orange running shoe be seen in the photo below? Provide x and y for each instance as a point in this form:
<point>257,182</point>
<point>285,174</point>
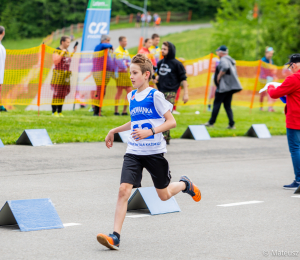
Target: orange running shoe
<point>191,188</point>
<point>111,241</point>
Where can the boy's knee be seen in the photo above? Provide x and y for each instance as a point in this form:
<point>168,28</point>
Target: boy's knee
<point>163,196</point>
<point>125,191</point>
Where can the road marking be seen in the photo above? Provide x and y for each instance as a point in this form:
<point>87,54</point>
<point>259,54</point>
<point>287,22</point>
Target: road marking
<point>71,224</point>
<point>139,216</point>
<point>296,196</point>
<point>240,203</point>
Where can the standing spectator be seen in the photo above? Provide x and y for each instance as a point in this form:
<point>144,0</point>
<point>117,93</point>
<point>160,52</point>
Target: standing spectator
<point>97,70</point>
<point>154,49</point>
<point>291,89</point>
<point>266,76</point>
<point>143,18</point>
<point>157,20</point>
<point>123,80</point>
<point>227,83</point>
<point>145,50</point>
<point>155,16</point>
<point>60,82</point>
<point>138,20</point>
<point>171,74</point>
<point>149,18</point>
<point>2,65</point>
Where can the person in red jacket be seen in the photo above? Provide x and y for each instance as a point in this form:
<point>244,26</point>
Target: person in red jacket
<point>291,89</point>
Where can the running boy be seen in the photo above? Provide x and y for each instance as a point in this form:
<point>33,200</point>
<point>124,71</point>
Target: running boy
<point>150,116</point>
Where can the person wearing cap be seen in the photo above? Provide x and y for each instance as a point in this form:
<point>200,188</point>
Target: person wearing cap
<point>290,88</point>
<point>266,76</point>
<point>97,71</point>
<point>227,83</point>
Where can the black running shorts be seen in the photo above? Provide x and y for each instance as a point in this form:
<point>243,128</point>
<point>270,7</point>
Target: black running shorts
<point>156,165</point>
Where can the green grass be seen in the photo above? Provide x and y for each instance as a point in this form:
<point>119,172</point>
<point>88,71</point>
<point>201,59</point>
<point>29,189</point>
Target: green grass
<point>81,126</point>
<point>21,44</point>
<point>190,44</point>
<point>33,42</point>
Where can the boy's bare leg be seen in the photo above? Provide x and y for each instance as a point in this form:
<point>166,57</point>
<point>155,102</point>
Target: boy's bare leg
<point>173,189</point>
<point>121,208</point>
<point>185,185</point>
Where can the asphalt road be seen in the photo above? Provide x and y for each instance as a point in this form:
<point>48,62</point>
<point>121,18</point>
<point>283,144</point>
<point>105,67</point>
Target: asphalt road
<point>82,181</point>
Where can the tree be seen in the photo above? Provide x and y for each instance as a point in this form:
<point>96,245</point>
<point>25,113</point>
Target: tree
<point>35,18</point>
<point>247,37</point>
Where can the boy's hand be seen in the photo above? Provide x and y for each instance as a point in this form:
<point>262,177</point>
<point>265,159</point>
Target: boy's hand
<point>185,98</point>
<point>109,139</point>
<point>139,134</point>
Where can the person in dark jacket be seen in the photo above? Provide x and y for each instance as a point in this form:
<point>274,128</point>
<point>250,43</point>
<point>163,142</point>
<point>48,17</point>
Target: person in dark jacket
<point>227,83</point>
<point>171,73</point>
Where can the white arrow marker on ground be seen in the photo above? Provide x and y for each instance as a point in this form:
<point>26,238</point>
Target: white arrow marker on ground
<point>240,203</point>
<point>71,224</point>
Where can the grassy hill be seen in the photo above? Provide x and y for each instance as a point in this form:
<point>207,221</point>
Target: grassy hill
<point>190,44</point>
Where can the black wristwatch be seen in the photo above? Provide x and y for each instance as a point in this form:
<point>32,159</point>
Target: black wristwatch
<point>153,131</point>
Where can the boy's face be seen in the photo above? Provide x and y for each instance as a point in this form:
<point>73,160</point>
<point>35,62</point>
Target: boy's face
<point>269,54</point>
<point>155,41</point>
<point>123,43</point>
<point>148,44</point>
<point>66,43</point>
<point>164,50</point>
<point>137,78</point>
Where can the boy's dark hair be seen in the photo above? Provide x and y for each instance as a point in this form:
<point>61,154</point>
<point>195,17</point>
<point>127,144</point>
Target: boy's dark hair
<point>64,38</point>
<point>121,38</point>
<point>166,43</point>
<point>146,40</point>
<point>144,63</point>
<point>2,29</point>
<point>154,35</point>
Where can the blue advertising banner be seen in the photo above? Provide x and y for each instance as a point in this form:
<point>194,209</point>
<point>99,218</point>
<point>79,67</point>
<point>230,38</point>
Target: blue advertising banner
<point>97,22</point>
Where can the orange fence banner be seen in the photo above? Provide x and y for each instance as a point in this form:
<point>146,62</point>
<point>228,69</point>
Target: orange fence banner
<point>44,76</point>
<point>208,77</point>
<point>41,75</point>
<point>255,84</point>
<point>103,78</point>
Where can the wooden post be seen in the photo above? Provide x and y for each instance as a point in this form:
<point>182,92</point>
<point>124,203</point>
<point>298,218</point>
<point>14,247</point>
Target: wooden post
<point>43,49</point>
<point>103,80</point>
<point>168,16</point>
<point>130,18</point>
<point>71,29</point>
<point>117,19</point>
<point>190,15</point>
<point>208,79</point>
<point>256,82</point>
<point>141,43</point>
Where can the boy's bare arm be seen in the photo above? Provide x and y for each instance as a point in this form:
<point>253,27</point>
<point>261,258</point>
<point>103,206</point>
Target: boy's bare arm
<point>168,124</point>
<point>139,134</point>
<point>109,139</point>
